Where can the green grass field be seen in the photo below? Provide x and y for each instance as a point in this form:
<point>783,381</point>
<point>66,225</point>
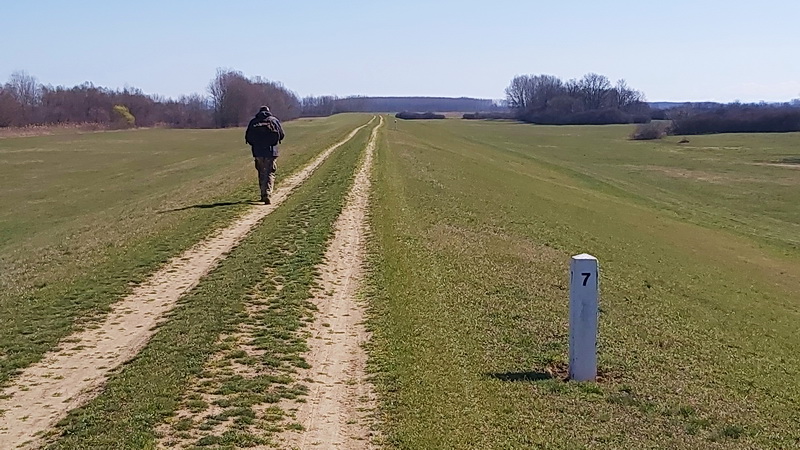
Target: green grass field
<point>472,227</point>
<point>474,224</point>
<point>82,216</point>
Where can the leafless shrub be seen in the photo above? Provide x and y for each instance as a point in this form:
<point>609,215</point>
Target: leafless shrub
<point>649,131</point>
<point>488,115</point>
<point>416,116</point>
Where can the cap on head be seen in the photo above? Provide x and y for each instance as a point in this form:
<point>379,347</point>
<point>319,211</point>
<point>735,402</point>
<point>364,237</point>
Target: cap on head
<point>263,109</point>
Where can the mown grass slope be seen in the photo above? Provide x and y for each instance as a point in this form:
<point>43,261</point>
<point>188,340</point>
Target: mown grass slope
<point>82,216</point>
<point>474,224</point>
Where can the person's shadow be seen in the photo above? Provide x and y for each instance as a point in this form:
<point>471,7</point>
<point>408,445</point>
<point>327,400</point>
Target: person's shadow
<point>211,205</point>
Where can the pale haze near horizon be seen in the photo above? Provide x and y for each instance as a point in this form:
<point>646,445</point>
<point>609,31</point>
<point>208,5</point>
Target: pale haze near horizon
<point>678,50</point>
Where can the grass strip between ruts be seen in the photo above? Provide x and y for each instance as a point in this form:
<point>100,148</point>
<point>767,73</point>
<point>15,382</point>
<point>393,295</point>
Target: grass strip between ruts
<point>290,243</point>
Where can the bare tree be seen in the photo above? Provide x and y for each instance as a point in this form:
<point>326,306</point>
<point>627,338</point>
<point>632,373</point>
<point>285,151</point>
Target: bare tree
<point>25,88</point>
<point>228,97</point>
<point>572,88</point>
<point>544,88</point>
<point>235,98</point>
<point>218,88</point>
<point>623,97</point>
<point>593,89</point>
<point>10,109</point>
<point>518,92</point>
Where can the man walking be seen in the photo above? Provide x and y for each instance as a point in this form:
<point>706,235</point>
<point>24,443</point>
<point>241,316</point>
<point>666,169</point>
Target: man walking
<point>264,133</point>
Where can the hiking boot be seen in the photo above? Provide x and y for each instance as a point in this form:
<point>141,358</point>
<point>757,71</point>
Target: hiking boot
<point>266,201</point>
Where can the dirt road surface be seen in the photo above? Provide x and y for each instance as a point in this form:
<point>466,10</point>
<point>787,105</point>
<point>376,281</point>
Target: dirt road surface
<point>337,412</point>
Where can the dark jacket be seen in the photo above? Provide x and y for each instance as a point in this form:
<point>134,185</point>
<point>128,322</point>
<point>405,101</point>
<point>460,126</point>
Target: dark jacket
<point>251,136</point>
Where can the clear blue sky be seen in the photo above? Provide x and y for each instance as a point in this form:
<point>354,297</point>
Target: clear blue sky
<point>674,50</point>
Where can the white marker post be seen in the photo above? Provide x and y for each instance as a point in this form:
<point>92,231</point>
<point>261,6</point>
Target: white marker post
<point>584,285</point>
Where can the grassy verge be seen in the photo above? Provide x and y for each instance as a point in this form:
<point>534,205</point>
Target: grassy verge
<point>275,263</point>
<point>99,212</point>
<point>473,228</point>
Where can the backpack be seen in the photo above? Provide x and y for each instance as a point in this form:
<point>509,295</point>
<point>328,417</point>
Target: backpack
<point>266,133</point>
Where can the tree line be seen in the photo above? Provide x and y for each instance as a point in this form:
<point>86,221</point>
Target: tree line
<point>735,118</point>
<point>232,100</point>
<point>592,99</point>
<point>328,105</point>
<point>235,98</point>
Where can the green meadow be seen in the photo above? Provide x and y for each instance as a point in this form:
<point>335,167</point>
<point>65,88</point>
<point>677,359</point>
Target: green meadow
<point>85,216</point>
<point>474,224</point>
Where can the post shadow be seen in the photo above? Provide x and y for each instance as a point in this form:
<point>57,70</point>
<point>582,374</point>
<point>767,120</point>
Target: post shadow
<point>520,376</point>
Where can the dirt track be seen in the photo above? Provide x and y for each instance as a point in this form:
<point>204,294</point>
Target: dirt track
<point>336,414</point>
<point>44,392</point>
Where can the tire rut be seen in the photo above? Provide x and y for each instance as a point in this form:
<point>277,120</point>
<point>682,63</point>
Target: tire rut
<point>338,411</point>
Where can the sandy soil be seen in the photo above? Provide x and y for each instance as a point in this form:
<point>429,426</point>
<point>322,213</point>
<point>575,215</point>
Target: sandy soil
<point>69,377</point>
<point>786,165</point>
<point>337,412</point>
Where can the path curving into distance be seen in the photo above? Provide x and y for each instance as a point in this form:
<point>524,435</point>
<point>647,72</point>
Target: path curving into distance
<point>65,379</point>
<point>337,412</point>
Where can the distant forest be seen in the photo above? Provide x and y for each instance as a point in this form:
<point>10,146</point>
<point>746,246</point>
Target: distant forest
<point>231,101</point>
<point>232,98</point>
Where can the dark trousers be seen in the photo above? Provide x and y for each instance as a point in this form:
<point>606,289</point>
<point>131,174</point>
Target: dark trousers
<point>266,168</point>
